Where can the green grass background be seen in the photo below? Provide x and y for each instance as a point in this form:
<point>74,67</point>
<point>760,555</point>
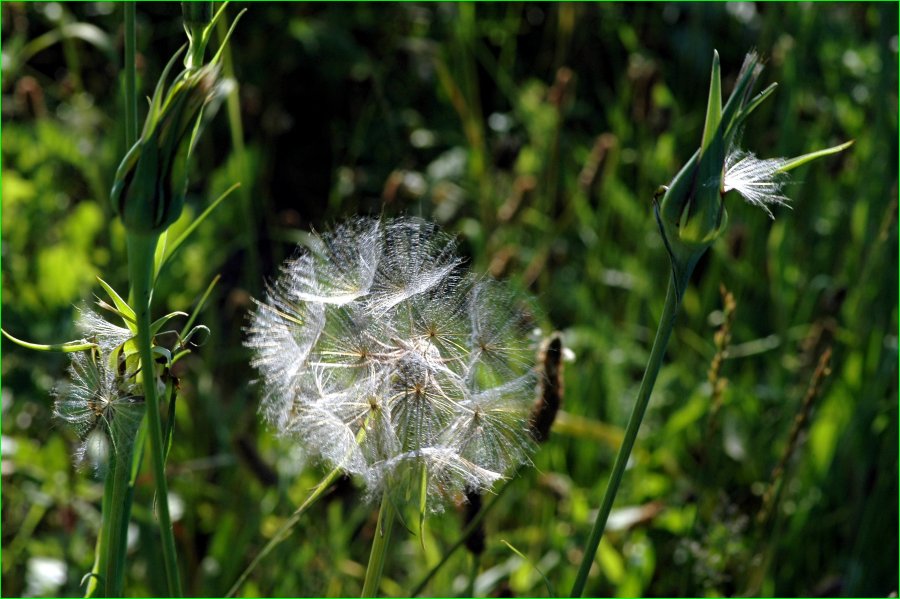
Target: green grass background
<point>538,134</point>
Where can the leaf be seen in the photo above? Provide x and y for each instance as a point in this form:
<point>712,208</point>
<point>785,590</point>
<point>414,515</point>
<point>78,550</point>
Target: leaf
<point>160,252</point>
<point>186,332</point>
<point>170,421</point>
<point>160,322</point>
<point>67,347</point>
<point>714,104</point>
<point>550,591</point>
<point>138,457</point>
<point>176,245</point>
<point>164,353</point>
<point>793,163</point>
<point>234,23</point>
<point>124,309</point>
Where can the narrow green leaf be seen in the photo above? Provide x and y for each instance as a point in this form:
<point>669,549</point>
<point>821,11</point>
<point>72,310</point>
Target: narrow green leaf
<point>550,591</point>
<point>121,305</point>
<point>160,252</point>
<point>423,506</point>
<point>197,309</point>
<point>163,352</point>
<point>207,31</point>
<point>234,23</point>
<point>156,101</point>
<point>801,160</point>
<point>138,456</point>
<point>66,347</point>
<point>179,355</point>
<point>170,420</point>
<point>714,104</point>
<point>103,305</point>
<point>197,329</point>
<point>160,322</point>
<point>756,101</point>
<point>176,245</point>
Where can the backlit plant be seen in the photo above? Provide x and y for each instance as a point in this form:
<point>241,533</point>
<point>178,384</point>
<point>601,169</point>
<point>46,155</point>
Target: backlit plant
<point>384,358</point>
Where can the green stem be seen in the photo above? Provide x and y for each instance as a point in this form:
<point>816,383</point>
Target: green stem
<point>108,576</point>
<point>666,324</point>
<point>140,265</point>
<point>466,533</point>
<point>236,128</point>
<point>131,126</point>
<point>283,532</point>
<point>382,537</point>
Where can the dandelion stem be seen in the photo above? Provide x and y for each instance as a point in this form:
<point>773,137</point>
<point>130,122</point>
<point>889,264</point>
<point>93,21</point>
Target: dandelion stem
<point>382,538</point>
<point>141,249</point>
<point>666,323</point>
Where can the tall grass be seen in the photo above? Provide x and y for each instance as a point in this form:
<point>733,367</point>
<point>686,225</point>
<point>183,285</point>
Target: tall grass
<point>335,100</point>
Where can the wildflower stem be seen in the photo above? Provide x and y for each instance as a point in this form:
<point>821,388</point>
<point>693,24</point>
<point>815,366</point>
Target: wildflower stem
<point>283,532</point>
<point>663,332</point>
<point>466,533</point>
<point>108,575</point>
<point>141,249</point>
<point>131,126</point>
<point>382,538</point>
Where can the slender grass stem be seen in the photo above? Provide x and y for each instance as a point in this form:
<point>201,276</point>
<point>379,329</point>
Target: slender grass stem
<point>666,323</point>
<point>379,543</point>
<point>466,533</point>
<point>236,129</point>
<point>283,532</point>
<point>131,124</point>
<point>140,265</point>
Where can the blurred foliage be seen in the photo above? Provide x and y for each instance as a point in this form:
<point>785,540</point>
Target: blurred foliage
<point>538,134</point>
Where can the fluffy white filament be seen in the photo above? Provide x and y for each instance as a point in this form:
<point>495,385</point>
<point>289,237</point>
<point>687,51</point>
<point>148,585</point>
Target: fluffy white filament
<point>380,355</point>
<point>760,182</point>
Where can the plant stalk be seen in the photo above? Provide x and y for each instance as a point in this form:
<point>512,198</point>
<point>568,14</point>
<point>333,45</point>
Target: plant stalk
<point>131,126</point>
<point>382,537</point>
<point>466,533</point>
<point>663,332</point>
<point>140,266</point>
<point>107,578</point>
<point>108,575</point>
<point>285,530</point>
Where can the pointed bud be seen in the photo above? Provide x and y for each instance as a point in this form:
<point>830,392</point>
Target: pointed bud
<point>150,184</point>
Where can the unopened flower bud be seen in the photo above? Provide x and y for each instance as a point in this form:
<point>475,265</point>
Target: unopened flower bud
<point>150,184</point>
<point>691,214</point>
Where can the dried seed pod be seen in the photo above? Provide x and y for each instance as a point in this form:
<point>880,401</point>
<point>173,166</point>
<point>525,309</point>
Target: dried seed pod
<point>550,388</point>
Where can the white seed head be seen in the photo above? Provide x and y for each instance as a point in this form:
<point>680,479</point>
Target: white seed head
<point>760,182</point>
<point>98,401</point>
<point>379,354</point>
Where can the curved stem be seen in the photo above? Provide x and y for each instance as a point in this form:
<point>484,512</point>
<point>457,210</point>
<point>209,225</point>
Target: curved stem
<point>382,537</point>
<point>666,323</point>
<point>282,533</point>
<point>140,265</point>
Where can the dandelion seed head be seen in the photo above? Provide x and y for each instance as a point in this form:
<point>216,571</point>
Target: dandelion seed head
<point>379,354</point>
<point>101,405</point>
